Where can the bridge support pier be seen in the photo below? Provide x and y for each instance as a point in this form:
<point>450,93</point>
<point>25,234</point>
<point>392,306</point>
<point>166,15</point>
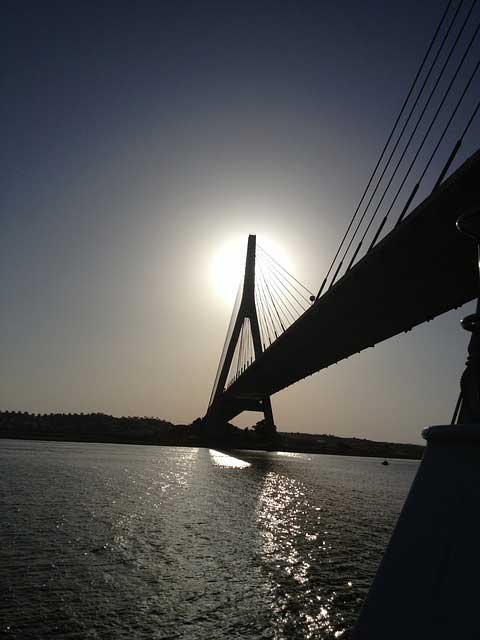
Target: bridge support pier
<point>219,409</point>
<point>267,412</point>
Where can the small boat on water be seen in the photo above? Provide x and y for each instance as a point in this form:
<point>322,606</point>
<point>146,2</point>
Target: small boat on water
<point>385,463</point>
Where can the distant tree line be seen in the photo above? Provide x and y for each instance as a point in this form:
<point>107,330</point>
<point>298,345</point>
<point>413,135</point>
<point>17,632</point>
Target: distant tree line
<point>99,427</point>
<point>86,426</point>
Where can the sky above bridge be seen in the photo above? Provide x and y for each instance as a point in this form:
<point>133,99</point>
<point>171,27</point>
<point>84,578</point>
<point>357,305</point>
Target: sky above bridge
<point>141,143</point>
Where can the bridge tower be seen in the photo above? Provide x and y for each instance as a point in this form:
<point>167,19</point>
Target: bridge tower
<point>246,310</point>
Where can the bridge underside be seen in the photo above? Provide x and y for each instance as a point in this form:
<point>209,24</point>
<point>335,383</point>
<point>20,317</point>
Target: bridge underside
<point>228,407</point>
<point>420,270</point>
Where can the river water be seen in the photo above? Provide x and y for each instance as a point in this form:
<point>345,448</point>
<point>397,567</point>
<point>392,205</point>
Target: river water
<point>108,541</point>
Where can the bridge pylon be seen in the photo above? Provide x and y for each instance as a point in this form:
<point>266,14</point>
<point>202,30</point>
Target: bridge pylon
<point>219,409</point>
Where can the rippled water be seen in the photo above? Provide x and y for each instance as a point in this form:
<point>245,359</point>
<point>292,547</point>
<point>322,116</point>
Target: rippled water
<point>123,541</point>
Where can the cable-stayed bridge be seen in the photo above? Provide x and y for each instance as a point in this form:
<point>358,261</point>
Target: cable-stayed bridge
<point>422,269</point>
<point>384,280</point>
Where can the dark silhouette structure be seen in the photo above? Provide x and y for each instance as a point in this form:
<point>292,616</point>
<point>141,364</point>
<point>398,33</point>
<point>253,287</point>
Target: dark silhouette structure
<point>467,410</point>
<point>421,269</point>
<point>418,270</point>
<point>221,409</point>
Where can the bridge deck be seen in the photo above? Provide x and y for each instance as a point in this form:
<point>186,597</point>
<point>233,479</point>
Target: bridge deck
<point>421,269</point>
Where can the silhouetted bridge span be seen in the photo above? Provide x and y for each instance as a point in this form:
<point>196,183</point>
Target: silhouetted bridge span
<point>421,269</point>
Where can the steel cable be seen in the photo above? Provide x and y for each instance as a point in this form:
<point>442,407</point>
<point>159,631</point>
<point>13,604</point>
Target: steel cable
<point>386,145</point>
<point>445,64</point>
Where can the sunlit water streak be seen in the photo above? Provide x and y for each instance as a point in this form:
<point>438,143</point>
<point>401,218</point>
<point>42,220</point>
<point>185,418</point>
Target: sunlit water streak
<point>119,541</point>
<point>220,459</point>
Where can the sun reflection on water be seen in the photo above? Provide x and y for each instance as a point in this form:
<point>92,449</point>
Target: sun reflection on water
<point>220,459</point>
<point>294,564</point>
<point>291,454</point>
<point>152,490</point>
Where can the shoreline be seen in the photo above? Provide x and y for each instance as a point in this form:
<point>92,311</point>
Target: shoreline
<point>364,453</point>
<point>102,428</point>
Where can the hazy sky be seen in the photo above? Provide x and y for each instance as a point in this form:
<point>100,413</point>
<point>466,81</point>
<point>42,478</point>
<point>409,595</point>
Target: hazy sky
<point>143,140</point>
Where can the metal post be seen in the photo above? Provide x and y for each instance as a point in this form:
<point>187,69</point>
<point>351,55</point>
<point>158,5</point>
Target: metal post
<point>469,411</point>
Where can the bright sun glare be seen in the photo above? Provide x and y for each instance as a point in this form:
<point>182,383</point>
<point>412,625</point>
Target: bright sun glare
<point>227,267</point>
<point>228,264</point>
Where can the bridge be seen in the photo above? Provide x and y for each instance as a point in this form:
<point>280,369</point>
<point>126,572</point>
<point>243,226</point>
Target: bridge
<point>422,267</point>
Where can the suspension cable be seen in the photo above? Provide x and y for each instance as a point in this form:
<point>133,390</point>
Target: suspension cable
<point>278,278</point>
<point>415,129</point>
<point>260,314</point>
<point>285,270</point>
<point>273,303</point>
<point>434,119</point>
<point>285,310</point>
<point>267,306</point>
<point>388,142</point>
<point>460,100</point>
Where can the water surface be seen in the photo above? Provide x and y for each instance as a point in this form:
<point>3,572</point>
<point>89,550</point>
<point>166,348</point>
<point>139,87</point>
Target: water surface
<point>122,541</point>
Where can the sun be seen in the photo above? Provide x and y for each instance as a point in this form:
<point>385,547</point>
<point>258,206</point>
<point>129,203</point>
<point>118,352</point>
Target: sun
<point>227,269</point>
<point>227,265</point>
